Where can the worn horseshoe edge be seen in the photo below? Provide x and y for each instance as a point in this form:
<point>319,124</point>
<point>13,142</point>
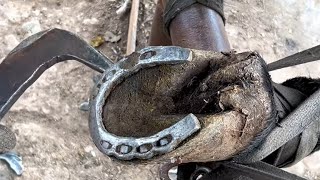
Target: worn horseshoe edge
<point>128,148</point>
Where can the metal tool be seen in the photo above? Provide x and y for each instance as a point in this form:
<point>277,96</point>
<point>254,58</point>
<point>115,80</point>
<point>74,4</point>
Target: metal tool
<point>14,161</point>
<point>24,65</point>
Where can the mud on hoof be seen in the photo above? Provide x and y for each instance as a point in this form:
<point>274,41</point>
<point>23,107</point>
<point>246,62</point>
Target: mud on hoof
<point>231,94</point>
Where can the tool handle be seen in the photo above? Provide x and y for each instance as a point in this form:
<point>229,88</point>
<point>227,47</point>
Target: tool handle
<point>132,32</point>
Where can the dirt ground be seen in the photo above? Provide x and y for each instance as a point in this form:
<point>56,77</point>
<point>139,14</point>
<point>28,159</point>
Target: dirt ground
<point>52,132</point>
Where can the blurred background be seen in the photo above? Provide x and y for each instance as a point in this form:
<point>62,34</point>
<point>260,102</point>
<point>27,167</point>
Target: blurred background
<point>52,132</point>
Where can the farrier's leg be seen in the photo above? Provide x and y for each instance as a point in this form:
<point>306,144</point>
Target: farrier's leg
<point>199,27</point>
<point>196,26</point>
<point>158,36</point>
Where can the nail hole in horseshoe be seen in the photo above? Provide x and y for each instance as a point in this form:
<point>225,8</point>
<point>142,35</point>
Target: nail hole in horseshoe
<point>144,148</point>
<point>123,149</point>
<point>104,79</point>
<point>164,141</point>
<point>106,144</point>
<point>147,55</point>
<point>109,75</point>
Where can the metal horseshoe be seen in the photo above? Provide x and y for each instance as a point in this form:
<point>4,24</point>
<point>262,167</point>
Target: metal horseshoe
<point>127,148</point>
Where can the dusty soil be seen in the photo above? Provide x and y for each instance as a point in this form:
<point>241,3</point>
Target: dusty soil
<point>52,132</point>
